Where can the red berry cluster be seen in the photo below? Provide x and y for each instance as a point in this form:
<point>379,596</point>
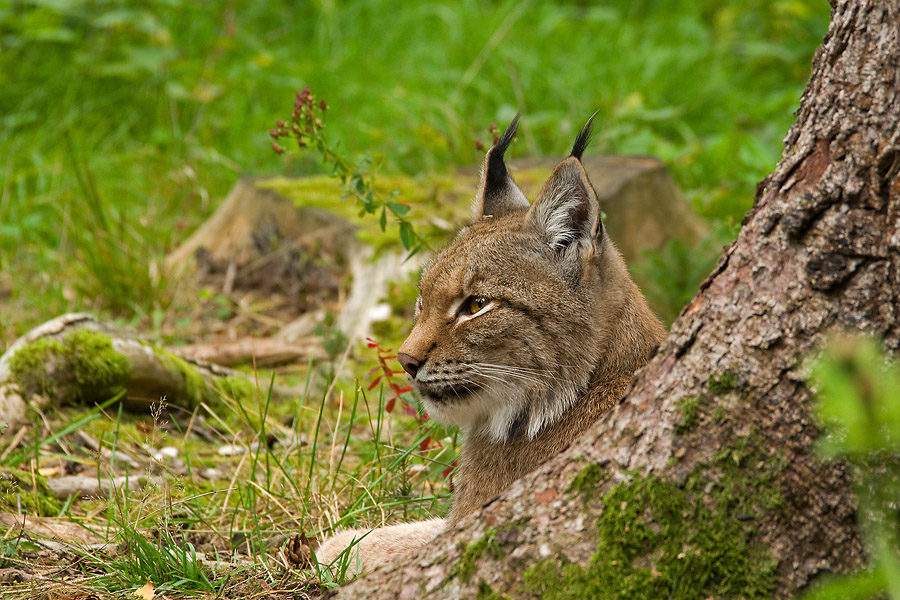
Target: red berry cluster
<point>307,120</point>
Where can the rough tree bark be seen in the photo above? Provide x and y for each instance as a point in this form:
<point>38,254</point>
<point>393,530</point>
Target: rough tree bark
<point>719,422</point>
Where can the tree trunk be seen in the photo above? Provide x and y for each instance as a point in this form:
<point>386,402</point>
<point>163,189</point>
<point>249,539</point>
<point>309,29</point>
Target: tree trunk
<point>704,480</point>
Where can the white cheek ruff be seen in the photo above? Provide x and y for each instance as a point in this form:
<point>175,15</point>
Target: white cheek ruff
<point>492,411</point>
<point>460,412</point>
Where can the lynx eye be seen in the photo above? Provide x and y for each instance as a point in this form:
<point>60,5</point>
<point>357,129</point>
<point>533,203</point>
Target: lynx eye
<point>475,304</point>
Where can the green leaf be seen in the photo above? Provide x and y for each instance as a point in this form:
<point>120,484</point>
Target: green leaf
<point>842,409</point>
<point>407,235</point>
<point>398,209</point>
<point>858,398</point>
<point>860,586</point>
<point>177,91</point>
<point>383,220</point>
<point>413,252</point>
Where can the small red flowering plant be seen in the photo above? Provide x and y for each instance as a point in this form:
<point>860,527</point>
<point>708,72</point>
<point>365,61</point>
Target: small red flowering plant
<point>385,374</point>
<point>305,126</point>
<point>494,132</point>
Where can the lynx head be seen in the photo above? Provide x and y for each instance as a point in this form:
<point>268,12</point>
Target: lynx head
<point>528,307</point>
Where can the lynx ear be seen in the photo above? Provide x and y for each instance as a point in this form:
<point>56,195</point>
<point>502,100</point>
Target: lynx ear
<point>498,194</point>
<point>567,209</point>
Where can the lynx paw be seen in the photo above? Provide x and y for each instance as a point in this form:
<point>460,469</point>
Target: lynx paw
<point>371,548</point>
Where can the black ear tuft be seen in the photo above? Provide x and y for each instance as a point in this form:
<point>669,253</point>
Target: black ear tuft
<point>495,176</point>
<point>584,137</point>
<point>498,194</point>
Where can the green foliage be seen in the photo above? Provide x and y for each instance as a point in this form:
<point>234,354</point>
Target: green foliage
<point>334,341</point>
<point>169,560</point>
<point>305,126</point>
<point>343,463</point>
<point>121,121</point>
<point>858,401</point>
<point>670,277</point>
<point>110,265</point>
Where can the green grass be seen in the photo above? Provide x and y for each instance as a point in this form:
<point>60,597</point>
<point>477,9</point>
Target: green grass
<point>326,463</point>
<point>123,122</point>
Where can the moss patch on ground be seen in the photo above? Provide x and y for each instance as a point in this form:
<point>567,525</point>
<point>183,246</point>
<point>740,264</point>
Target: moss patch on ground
<point>435,200</point>
<point>441,202</point>
<point>81,366</point>
<point>661,540</point>
<point>23,491</point>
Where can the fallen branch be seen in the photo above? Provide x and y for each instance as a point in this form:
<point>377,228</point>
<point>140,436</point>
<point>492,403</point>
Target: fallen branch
<point>77,358</point>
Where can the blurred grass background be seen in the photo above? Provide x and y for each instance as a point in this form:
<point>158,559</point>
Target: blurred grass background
<point>122,122</point>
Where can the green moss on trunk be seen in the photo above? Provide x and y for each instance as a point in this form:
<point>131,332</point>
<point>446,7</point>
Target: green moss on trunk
<point>491,544</point>
<point>724,383</point>
<point>586,482</point>
<point>82,366</point>
<point>688,407</point>
<point>486,592</point>
<point>239,388</point>
<point>662,540</point>
<point>470,553</point>
<point>196,389</point>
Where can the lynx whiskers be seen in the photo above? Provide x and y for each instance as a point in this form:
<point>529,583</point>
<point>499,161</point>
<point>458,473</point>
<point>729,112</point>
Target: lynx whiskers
<point>527,329</point>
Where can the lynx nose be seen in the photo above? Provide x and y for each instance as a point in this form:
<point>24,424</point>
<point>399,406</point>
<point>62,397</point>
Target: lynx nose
<point>409,364</point>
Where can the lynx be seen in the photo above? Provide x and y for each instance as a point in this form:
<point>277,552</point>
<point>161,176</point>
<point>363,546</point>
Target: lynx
<point>527,329</point>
